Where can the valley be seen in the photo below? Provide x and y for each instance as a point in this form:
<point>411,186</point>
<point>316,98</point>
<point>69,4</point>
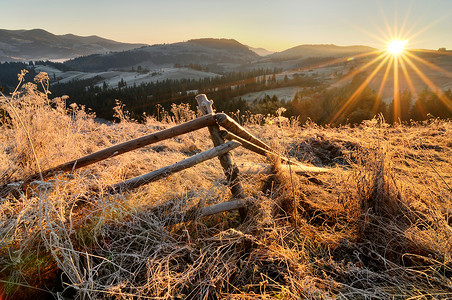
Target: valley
<point>312,81</point>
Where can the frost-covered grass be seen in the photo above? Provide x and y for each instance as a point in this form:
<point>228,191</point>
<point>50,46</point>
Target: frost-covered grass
<point>378,226</point>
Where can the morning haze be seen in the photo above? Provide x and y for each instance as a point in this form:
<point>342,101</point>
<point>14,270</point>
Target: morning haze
<point>274,25</point>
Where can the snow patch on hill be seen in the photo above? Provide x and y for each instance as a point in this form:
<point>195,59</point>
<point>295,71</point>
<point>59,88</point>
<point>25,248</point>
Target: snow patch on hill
<point>112,78</point>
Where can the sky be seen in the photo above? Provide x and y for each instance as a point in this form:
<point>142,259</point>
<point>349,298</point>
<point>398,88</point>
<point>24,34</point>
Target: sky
<point>274,25</point>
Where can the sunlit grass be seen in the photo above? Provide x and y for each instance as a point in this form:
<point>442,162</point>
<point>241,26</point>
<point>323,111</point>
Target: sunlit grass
<point>386,200</point>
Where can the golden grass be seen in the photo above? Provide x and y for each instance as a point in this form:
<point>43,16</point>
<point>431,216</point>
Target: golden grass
<point>378,226</point>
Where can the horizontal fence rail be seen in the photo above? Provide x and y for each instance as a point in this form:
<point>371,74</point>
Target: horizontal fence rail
<point>171,169</point>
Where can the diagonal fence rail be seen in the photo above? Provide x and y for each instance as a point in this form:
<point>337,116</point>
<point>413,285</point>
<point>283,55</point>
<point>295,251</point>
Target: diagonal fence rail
<point>234,132</point>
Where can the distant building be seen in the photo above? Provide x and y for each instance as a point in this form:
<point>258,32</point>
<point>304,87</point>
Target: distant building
<point>442,49</point>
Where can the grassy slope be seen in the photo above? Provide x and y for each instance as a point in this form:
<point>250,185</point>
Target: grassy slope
<point>376,226</point>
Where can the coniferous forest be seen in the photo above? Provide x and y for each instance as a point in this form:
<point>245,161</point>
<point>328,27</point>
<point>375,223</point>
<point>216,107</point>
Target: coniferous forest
<point>316,101</point>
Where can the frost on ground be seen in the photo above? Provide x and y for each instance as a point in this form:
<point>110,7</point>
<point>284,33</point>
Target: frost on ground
<point>112,78</point>
<point>378,226</point>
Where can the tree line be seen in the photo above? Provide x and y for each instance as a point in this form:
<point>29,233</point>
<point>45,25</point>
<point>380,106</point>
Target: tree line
<point>338,105</point>
<point>316,102</point>
<point>144,98</point>
<point>8,75</point>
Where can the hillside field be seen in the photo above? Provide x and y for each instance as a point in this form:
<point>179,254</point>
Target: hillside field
<point>377,225</point>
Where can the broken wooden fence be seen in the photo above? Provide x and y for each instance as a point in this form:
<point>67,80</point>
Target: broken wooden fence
<point>237,135</point>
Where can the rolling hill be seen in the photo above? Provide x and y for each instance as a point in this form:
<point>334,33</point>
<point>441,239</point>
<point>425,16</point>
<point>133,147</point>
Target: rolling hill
<point>203,52</point>
<point>38,44</point>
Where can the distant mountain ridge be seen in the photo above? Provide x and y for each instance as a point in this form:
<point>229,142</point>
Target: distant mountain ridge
<point>320,50</point>
<point>38,44</point>
<point>216,53</point>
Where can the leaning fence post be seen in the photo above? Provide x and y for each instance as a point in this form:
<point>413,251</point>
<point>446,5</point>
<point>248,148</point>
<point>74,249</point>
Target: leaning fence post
<point>230,169</point>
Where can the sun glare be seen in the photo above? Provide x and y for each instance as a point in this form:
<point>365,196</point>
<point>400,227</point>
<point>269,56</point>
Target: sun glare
<point>396,47</point>
<point>396,66</point>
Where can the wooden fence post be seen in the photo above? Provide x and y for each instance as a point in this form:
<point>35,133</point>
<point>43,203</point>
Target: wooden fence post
<point>230,169</point>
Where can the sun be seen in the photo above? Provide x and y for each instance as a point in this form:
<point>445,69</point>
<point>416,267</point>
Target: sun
<point>396,47</point>
<point>400,69</point>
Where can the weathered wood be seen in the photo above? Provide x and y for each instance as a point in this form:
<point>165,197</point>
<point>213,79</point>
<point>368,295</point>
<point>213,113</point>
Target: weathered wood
<point>172,217</point>
<point>226,161</point>
<point>252,147</point>
<point>205,105</point>
<point>168,170</point>
<point>231,125</point>
<point>299,169</point>
<point>155,137</point>
<point>222,207</point>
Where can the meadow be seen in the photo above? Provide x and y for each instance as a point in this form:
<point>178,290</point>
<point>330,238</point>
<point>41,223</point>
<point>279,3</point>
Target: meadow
<point>377,225</point>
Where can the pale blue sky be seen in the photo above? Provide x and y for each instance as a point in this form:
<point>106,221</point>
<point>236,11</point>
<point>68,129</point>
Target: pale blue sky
<point>275,25</point>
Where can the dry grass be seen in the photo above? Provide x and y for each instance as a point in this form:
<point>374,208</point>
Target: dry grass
<point>378,226</point>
